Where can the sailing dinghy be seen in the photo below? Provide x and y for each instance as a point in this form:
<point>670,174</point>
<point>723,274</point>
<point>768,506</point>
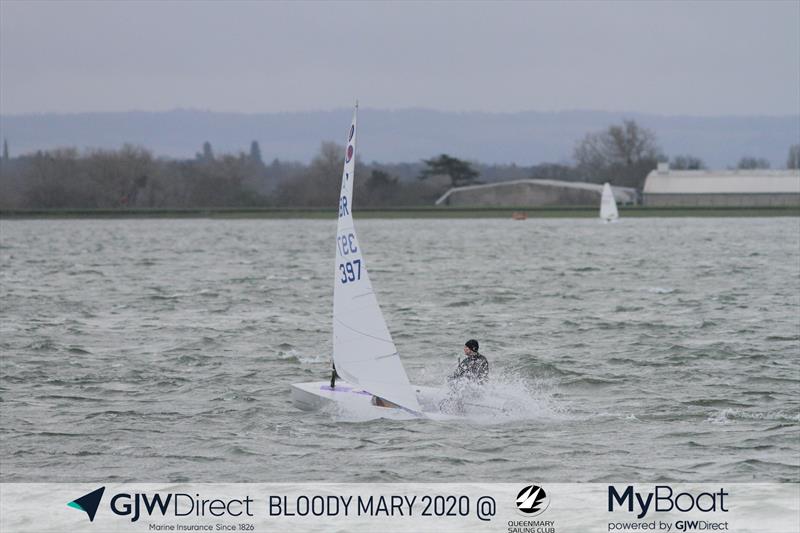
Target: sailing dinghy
<point>368,373</point>
<point>608,206</point>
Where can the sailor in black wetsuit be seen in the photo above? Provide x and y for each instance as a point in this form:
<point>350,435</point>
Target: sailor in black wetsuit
<point>466,381</point>
<point>474,367</point>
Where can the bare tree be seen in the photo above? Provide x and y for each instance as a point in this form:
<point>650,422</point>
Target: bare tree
<point>115,177</point>
<point>622,154</point>
<point>55,179</point>
<point>318,186</point>
<point>554,171</point>
<point>687,162</point>
<point>752,163</point>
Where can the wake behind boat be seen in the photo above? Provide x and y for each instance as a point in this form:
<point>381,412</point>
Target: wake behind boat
<point>367,371</point>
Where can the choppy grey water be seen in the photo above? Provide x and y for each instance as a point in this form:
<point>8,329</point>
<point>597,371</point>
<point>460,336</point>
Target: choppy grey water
<point>163,350</point>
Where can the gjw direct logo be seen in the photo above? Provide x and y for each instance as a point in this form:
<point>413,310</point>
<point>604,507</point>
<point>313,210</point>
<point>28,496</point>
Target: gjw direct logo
<point>88,503</point>
<point>179,504</point>
<point>532,500</point>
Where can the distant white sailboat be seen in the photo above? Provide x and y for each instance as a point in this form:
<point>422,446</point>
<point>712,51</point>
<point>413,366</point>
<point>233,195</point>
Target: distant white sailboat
<point>608,206</point>
<point>368,373</point>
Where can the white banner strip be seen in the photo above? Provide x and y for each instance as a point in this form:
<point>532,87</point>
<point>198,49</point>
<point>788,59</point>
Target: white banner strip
<point>525,507</point>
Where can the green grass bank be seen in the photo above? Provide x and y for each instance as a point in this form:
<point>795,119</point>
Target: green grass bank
<point>402,212</point>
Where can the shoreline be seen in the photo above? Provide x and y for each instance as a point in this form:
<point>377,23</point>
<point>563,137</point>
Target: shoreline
<point>402,212</point>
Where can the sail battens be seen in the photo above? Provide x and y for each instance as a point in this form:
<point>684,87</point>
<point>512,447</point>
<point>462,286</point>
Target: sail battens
<point>365,334</point>
<point>363,295</point>
<point>372,358</point>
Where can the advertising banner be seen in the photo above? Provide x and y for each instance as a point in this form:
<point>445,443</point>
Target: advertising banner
<point>524,507</point>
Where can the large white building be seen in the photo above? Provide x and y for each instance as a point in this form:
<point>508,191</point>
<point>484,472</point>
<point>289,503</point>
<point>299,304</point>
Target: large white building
<point>533,193</point>
<point>722,188</point>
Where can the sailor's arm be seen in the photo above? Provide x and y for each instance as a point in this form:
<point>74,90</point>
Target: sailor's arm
<point>459,372</point>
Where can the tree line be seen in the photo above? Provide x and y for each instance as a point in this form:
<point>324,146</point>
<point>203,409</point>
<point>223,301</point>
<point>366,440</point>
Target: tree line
<point>132,177</point>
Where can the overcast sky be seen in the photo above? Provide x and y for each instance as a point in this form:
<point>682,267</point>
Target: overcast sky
<point>695,58</point>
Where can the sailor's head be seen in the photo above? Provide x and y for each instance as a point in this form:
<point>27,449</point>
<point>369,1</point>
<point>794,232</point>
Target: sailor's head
<point>471,346</point>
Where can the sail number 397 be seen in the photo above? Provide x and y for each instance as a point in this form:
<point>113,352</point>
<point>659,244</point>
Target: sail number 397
<point>351,271</point>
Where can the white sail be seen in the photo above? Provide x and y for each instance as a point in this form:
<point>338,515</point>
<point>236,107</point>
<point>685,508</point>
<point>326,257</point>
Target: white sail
<point>363,350</point>
<point>608,206</point>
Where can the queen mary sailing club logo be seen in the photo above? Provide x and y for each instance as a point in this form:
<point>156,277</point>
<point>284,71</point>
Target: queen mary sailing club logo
<point>532,500</point>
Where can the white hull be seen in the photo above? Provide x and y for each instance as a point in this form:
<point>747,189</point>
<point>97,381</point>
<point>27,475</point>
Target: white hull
<point>318,394</point>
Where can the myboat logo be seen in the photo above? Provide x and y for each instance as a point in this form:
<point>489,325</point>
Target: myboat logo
<point>88,503</point>
<point>532,500</point>
<point>664,499</point>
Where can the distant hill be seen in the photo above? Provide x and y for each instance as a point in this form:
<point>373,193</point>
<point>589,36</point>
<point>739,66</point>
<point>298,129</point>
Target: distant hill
<point>524,138</point>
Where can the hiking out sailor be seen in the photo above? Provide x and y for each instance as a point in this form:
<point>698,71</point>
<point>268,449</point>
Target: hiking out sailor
<point>466,382</point>
<point>474,368</point>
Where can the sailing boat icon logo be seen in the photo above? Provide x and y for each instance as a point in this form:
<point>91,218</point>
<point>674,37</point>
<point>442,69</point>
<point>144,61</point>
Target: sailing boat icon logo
<point>532,500</point>
<point>88,503</point>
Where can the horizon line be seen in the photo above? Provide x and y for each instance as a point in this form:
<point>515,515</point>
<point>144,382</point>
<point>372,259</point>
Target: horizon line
<point>396,110</point>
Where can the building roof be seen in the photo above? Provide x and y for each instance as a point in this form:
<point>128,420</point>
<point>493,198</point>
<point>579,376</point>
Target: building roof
<point>630,194</point>
<point>722,181</point>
